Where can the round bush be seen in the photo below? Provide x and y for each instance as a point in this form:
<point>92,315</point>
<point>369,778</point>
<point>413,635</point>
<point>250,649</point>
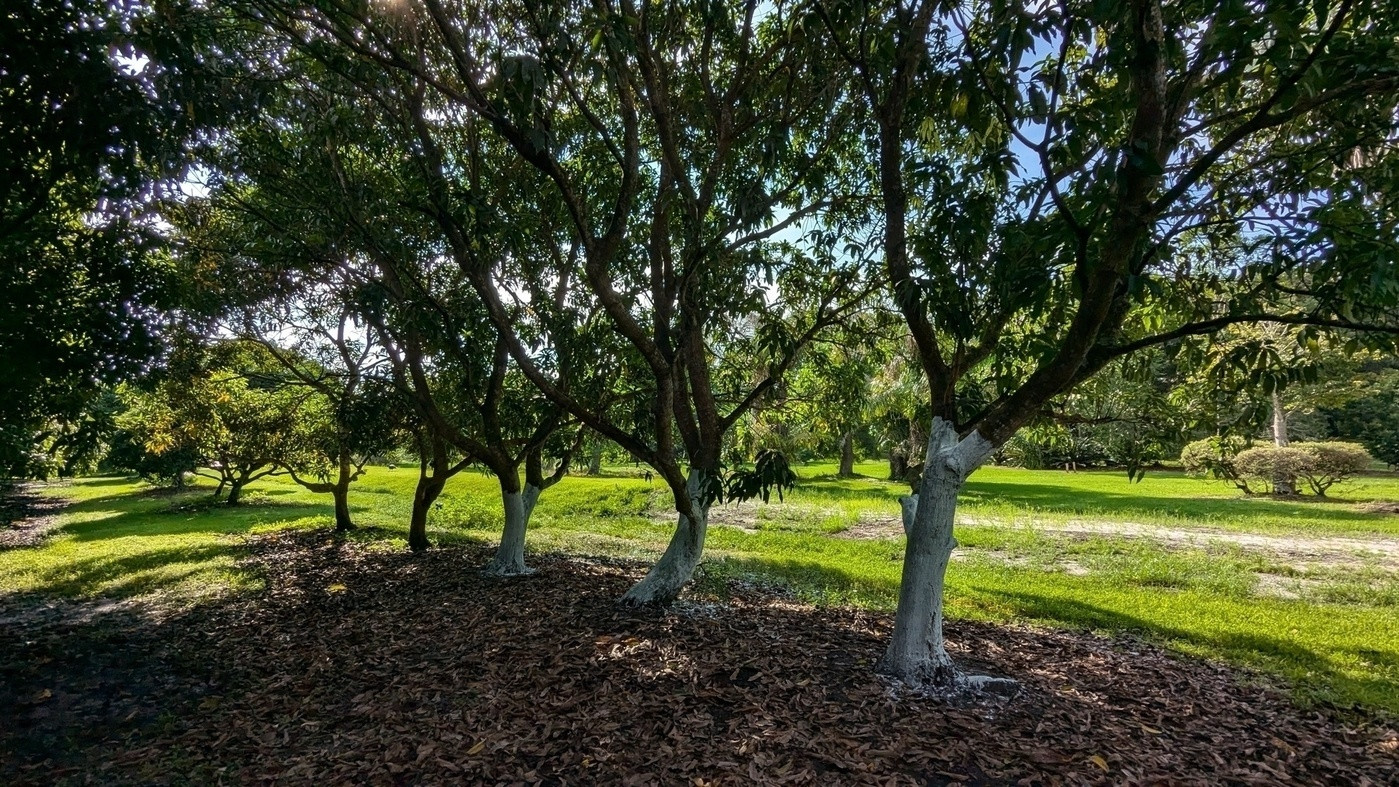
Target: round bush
<point>1268,463</point>
<point>1213,457</point>
<point>1332,462</point>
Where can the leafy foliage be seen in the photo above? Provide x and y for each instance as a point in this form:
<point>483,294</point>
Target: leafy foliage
<point>83,139</point>
<point>770,473</point>
<point>1213,457</point>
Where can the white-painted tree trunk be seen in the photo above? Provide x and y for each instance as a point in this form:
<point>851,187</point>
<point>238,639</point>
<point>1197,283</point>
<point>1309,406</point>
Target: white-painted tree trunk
<point>1282,484</point>
<point>509,560</point>
<point>663,583</point>
<point>916,652</point>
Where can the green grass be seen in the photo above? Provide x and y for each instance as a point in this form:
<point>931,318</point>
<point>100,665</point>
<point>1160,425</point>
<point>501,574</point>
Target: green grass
<point>1332,630</point>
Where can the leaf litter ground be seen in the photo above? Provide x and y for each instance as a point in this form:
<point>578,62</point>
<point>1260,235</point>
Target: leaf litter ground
<point>362,666</point>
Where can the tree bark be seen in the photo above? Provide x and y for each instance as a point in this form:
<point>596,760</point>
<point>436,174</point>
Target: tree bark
<point>847,455</point>
<point>898,462</point>
<point>509,560</point>
<point>235,492</point>
<point>595,463</point>
<point>427,491</point>
<point>1282,484</point>
<point>663,583</point>
<point>916,653</point>
<point>341,493</point>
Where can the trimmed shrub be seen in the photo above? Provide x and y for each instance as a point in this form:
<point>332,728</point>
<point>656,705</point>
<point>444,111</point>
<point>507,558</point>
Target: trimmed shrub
<point>1213,457</point>
<point>1266,463</point>
<point>1331,463</point>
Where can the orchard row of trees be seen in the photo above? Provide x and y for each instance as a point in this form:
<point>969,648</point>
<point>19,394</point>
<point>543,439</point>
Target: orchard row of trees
<point>503,231</point>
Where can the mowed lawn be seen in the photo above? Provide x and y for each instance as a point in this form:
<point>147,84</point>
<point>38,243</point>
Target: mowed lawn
<point>1305,590</point>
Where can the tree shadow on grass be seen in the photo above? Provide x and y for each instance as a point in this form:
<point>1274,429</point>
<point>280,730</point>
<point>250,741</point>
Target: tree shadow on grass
<point>1313,676</point>
<point>1129,503</point>
<point>139,573</point>
<point>118,480</point>
<point>175,520</point>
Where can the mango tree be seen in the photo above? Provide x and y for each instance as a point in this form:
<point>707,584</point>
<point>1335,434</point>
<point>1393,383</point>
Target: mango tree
<point>1065,186</point>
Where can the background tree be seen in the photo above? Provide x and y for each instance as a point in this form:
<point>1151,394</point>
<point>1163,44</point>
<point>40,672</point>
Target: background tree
<point>1366,409</point>
<point>830,391</point>
<point>225,405</point>
<point>323,345</point>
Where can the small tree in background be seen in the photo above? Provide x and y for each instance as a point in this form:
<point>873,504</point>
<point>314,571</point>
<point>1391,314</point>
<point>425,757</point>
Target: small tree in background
<point>1331,463</point>
<point>1274,467</point>
<point>222,404</point>
<point>1213,457</point>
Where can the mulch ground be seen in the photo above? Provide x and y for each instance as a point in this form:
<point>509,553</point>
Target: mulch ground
<point>364,667</point>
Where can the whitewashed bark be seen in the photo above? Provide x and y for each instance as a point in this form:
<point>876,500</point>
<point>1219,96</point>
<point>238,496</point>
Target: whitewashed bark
<point>1282,484</point>
<point>663,583</point>
<point>509,560</point>
<point>916,653</point>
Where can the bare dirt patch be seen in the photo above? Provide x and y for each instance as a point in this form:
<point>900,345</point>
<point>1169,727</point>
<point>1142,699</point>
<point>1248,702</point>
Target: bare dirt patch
<point>1326,551</point>
<point>359,666</point>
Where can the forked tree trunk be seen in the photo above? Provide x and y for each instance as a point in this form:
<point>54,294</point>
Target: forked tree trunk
<point>1282,484</point>
<point>509,560</point>
<point>235,491</point>
<point>423,497</point>
<point>341,493</point>
<point>663,583</point>
<point>916,653</point>
<point>847,454</point>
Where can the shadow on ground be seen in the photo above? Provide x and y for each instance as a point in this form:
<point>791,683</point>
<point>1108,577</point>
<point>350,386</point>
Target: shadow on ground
<point>359,665</point>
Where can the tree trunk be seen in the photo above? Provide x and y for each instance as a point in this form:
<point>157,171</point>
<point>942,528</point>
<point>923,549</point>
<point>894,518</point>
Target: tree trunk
<point>509,560</point>
<point>423,497</point>
<point>595,463</point>
<point>847,455</point>
<point>916,653</point>
<point>341,493</point>
<point>898,463</point>
<point>663,583</point>
<point>235,491</point>
<point>917,441</point>
<point>1282,484</point>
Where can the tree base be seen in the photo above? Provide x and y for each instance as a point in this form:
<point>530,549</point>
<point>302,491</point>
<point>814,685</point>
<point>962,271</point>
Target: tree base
<point>965,689</point>
<point>494,569</point>
<point>646,594</point>
<point>944,681</point>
